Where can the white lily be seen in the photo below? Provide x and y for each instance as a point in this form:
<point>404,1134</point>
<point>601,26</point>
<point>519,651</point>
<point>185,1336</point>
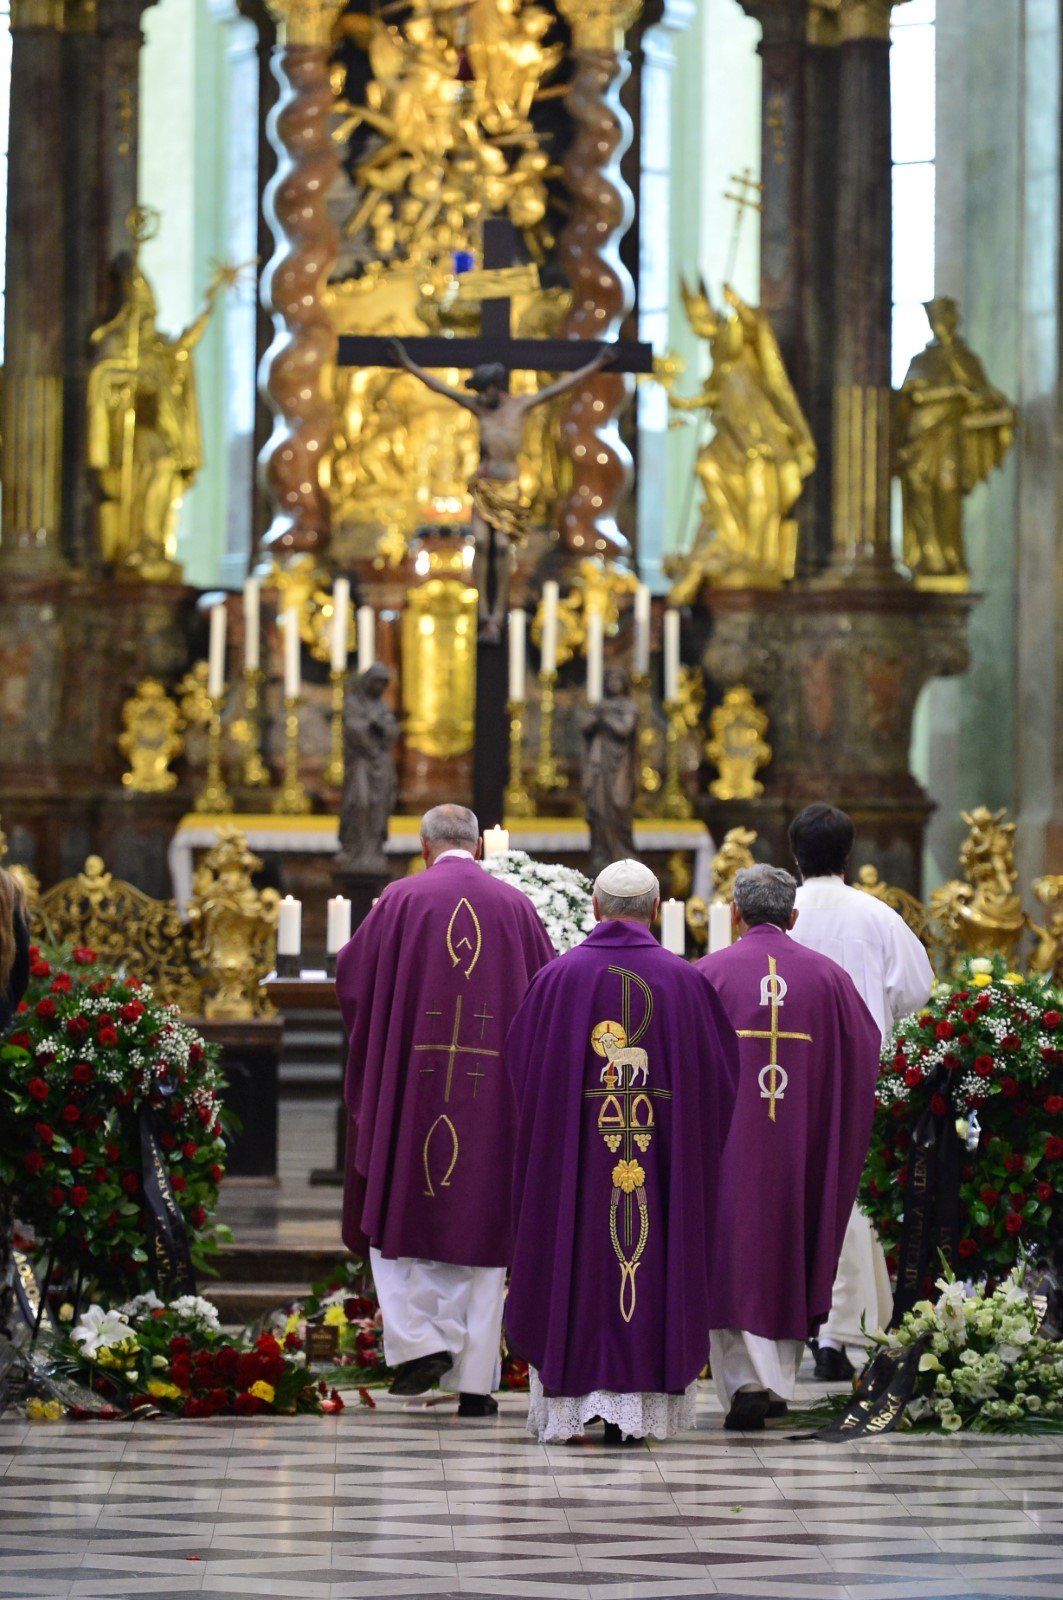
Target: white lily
<point>100,1330</point>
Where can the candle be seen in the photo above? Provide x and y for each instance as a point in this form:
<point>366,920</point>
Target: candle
<point>216,662</point>
<point>251,624</point>
<point>289,926</point>
<point>291,654</point>
<point>673,927</point>
<point>517,625</point>
<point>671,655</point>
<point>642,631</point>
<point>341,600</point>
<point>338,928</point>
<point>366,638</point>
<point>496,840</point>
<point>719,927</point>
<point>595,647</point>
<point>551,596</point>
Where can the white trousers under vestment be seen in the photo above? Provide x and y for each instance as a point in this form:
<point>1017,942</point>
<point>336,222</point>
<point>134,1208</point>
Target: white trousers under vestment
<point>428,1306</point>
<point>553,1419</point>
<point>861,1286</point>
<point>746,1361</point>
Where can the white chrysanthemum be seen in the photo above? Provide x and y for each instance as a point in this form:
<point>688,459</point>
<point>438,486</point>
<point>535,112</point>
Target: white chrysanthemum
<point>193,1308</point>
<point>141,1304</point>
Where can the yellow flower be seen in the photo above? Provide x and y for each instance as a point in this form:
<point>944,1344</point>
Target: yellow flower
<point>263,1391</point>
<point>163,1391</point>
<point>44,1410</point>
<point>293,1323</point>
<point>335,1317</point>
<point>628,1175</point>
<point>981,979</point>
<point>1012,977</point>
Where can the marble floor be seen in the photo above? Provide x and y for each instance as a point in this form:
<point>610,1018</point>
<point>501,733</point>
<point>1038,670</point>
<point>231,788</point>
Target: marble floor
<point>413,1502</point>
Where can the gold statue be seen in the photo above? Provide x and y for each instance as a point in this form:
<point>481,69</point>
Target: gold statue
<point>1048,955</point>
<point>753,469</point>
<point>732,857</point>
<point>906,905</point>
<point>952,427</point>
<point>144,439</point>
<point>151,739</point>
<point>983,916</point>
<point>234,930</point>
<point>737,747</point>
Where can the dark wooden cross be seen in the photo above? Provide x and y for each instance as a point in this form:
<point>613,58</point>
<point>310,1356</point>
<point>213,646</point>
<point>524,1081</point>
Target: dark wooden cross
<point>494,344</point>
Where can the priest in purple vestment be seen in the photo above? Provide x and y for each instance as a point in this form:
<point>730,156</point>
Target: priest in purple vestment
<point>798,1141</point>
<point>427,987</point>
<point>624,1070</point>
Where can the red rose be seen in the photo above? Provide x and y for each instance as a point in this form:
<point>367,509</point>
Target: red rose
<point>181,1371</point>
<point>167,1141</point>
<point>130,1182</point>
<point>1045,1191</point>
<point>188,1149</point>
<point>81,1073</point>
<point>77,1027</point>
<point>1052,1019</point>
<point>177,1183</point>
<point>292,1341</point>
<point>37,1088</point>
<point>77,1156</point>
<point>913,1077</point>
<point>107,1036</point>
<point>1008,1087</point>
<point>1053,1149</point>
<point>83,956</point>
<point>204,1113</point>
<point>1017,1163</point>
<point>101,1174</point>
<point>46,1009</point>
<point>198,1217</point>
<point>1013,1222</point>
<point>22,1040</point>
<point>44,1133</point>
<point>79,1196</point>
<point>1054,1104</point>
<point>56,1197</point>
<point>926,1020</point>
<point>123,1097</point>
<point>39,969</point>
<point>944,1030</point>
<point>225,1363</point>
<point>899,1110</point>
<point>989,1197</point>
<point>248,1369</point>
<point>966,1247</point>
<point>247,1405</point>
<point>1010,1041</point>
<point>132,1012</point>
<point>969,1014</point>
<point>71,1114</point>
<point>61,984</point>
<point>195,1054</point>
<point>1018,1199</point>
<point>33,1161</point>
<point>938,1105</point>
<point>983,1004</point>
<point>952,1061</point>
<point>112,1152</point>
<point>179,1345</point>
<point>216,1172</point>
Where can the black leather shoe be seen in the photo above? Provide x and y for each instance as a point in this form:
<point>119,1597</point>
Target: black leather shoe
<point>778,1408</point>
<point>833,1366</point>
<point>477,1405</point>
<point>613,1436</point>
<point>748,1410</point>
<point>420,1375</point>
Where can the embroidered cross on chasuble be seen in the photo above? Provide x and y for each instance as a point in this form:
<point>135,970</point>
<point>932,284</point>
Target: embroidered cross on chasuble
<point>773,1078</point>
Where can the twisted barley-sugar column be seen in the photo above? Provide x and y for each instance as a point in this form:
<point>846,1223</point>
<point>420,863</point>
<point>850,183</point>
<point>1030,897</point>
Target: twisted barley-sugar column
<point>602,290</point>
<point>307,244</point>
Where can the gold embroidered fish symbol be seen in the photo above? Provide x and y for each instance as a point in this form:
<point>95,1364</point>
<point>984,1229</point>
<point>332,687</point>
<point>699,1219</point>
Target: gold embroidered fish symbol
<point>464,939</point>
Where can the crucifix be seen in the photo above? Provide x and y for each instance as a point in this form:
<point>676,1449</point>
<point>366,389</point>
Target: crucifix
<point>495,349</point>
<point>772,1078</point>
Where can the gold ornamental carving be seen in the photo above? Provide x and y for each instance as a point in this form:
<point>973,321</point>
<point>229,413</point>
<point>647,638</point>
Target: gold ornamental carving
<point>599,24</point>
<point>983,915</point>
<point>234,930</point>
<point>439,666</point>
<point>753,469</point>
<point>305,22</point>
<point>733,856</point>
<point>737,746</point>
<point>151,739</point>
<point>1047,957</point>
<point>906,905</point>
<point>838,21</point>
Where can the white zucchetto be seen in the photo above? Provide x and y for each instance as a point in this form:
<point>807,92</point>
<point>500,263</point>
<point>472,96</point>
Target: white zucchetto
<point>626,879</point>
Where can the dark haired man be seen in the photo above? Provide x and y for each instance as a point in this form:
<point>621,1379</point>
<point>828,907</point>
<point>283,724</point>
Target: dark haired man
<point>893,974</point>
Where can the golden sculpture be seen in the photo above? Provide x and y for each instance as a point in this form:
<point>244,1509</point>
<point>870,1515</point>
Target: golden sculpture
<point>234,930</point>
<point>951,427</point>
<point>1048,954</point>
<point>738,748</point>
<point>439,659</point>
<point>906,905</point>
<point>753,469</point>
<point>151,739</point>
<point>983,916</point>
<point>144,438</point>
<point>732,857</point>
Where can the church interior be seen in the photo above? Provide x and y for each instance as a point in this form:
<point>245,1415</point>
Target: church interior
<point>738,455</point>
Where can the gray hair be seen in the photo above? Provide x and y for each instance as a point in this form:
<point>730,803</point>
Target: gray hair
<point>633,907</point>
<point>453,827</point>
<point>764,894</point>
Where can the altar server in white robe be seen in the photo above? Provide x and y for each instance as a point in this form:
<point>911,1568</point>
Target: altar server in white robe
<point>892,971</point>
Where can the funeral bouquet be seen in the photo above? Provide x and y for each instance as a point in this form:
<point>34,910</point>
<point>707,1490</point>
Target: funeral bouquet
<point>984,1058</point>
<point>560,895</point>
<point>91,1062</point>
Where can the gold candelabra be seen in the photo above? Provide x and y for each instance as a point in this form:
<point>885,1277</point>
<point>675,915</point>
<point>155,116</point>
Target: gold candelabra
<point>254,774</point>
<point>214,797</point>
<point>649,768</point>
<point>675,802</point>
<point>518,802</point>
<point>548,774</point>
<point>334,770</point>
<point>291,799</point>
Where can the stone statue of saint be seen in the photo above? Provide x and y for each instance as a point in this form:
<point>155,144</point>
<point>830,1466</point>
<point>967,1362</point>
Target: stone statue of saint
<point>951,428</point>
<point>499,514</point>
<point>609,785</point>
<point>370,728</point>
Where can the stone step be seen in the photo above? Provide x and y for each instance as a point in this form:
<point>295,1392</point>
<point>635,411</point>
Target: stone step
<point>242,1303</point>
<point>274,1264</point>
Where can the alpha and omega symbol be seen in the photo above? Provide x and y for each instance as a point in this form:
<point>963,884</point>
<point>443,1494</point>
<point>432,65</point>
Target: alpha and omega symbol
<point>773,1081</point>
<point>773,1078</point>
<point>773,988</point>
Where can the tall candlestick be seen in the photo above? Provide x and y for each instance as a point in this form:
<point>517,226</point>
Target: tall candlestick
<point>496,841</point>
<point>641,663</point>
<point>673,927</point>
<point>341,601</point>
<point>291,655</point>
<point>671,655</point>
<point>719,928</point>
<point>595,662</point>
<point>216,660</point>
<point>366,638</point>
<point>551,596</point>
<point>338,925</point>
<point>517,629</point>
<point>252,624</point>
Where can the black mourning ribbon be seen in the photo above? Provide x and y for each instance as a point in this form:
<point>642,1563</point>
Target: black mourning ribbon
<point>164,1224</point>
<point>880,1396</point>
<point>931,1226</point>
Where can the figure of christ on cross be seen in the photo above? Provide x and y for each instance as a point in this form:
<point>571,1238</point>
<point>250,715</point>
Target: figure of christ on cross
<point>773,1078</point>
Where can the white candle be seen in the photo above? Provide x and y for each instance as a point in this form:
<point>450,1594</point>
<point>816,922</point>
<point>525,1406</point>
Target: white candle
<point>291,654</point>
<point>251,624</point>
<point>517,626</point>
<point>671,655</point>
<point>595,662</point>
<point>338,929</point>
<point>366,638</point>
<point>673,927</point>
<point>719,927</point>
<point>496,840</point>
<point>289,926</point>
<point>642,631</point>
<point>551,596</point>
<point>216,662</point>
<point>341,600</point>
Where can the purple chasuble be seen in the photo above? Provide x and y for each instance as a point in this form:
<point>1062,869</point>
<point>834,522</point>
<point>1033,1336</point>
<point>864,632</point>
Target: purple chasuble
<point>427,987</point>
<point>809,1052</point>
<point>624,1070</point>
